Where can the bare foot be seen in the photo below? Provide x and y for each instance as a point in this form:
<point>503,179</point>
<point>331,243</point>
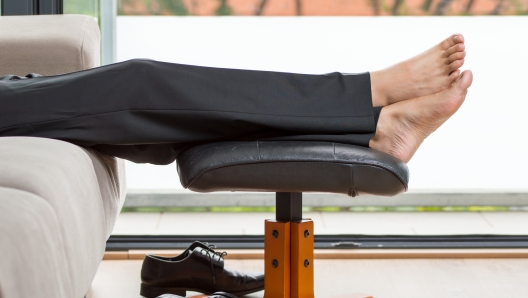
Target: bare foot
<point>431,72</point>
<point>403,126</point>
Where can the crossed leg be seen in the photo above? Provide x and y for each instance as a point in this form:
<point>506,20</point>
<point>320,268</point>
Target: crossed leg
<point>148,111</point>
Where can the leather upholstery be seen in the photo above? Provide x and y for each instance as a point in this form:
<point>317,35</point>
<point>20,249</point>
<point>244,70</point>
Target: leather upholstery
<point>291,166</point>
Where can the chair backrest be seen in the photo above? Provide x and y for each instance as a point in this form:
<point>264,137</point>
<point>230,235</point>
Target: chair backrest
<point>48,44</point>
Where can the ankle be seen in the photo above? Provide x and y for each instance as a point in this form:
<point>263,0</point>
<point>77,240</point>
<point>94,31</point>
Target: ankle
<point>378,140</point>
<point>387,138</point>
<point>377,86</point>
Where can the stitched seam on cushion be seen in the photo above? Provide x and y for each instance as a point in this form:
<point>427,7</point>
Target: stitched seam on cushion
<point>183,110</point>
<point>258,149</point>
<point>249,163</point>
<point>353,183</point>
<point>82,43</point>
<point>352,178</point>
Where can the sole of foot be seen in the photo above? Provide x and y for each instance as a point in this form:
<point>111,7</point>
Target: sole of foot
<point>427,73</point>
<point>403,126</point>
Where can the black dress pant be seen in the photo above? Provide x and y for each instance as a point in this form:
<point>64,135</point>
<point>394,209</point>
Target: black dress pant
<point>148,111</point>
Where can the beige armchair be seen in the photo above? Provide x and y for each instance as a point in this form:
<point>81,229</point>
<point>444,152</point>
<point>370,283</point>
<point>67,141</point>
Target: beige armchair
<point>58,201</point>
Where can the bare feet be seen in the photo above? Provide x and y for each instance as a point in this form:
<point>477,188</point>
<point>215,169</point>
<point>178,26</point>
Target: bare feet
<point>403,126</point>
<point>431,72</point>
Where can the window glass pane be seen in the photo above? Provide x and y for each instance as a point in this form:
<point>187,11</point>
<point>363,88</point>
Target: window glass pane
<point>87,7</point>
<point>452,190</point>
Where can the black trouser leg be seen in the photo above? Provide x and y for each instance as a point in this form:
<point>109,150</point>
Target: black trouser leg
<point>149,111</point>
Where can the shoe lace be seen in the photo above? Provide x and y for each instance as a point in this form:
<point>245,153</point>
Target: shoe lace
<point>211,253</point>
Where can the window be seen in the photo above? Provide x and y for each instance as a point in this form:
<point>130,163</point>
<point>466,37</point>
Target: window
<point>467,178</point>
<point>86,7</point>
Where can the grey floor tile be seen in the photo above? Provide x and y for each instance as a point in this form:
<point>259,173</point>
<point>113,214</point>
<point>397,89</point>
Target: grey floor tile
<point>393,222</point>
<point>365,230</point>
<point>452,231</point>
<point>376,223</point>
<point>209,223</point>
<point>137,223</point>
<point>514,221</point>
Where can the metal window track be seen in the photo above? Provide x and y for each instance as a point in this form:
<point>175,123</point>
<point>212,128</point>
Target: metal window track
<point>122,243</point>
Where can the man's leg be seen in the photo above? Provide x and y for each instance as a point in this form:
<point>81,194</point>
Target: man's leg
<point>160,108</point>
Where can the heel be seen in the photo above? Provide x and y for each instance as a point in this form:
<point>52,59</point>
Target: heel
<point>153,292</point>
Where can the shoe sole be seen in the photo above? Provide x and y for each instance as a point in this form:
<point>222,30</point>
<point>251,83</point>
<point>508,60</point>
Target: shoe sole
<point>153,292</point>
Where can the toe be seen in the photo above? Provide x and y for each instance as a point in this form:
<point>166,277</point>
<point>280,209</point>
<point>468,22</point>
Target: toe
<point>456,56</point>
<point>453,76</point>
<point>456,95</point>
<point>465,79</point>
<point>454,49</point>
<point>452,40</point>
<point>458,38</point>
<point>455,65</point>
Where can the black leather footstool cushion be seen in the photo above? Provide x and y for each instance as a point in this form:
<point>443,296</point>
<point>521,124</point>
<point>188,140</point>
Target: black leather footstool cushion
<point>291,166</point>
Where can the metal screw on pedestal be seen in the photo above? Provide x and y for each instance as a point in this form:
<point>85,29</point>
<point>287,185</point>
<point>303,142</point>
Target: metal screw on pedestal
<point>306,263</point>
<point>275,234</point>
<point>306,234</point>
<point>275,263</point>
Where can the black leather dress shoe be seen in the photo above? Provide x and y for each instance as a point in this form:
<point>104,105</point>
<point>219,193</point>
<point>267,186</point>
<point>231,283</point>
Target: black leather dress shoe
<point>199,268</point>
<point>215,295</point>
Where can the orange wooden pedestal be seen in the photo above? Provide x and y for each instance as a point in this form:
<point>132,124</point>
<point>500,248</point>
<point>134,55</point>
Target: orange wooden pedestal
<point>288,257</point>
<point>302,259</point>
<point>277,246</point>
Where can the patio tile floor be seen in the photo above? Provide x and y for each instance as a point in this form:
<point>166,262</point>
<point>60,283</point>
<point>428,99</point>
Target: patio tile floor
<point>376,223</point>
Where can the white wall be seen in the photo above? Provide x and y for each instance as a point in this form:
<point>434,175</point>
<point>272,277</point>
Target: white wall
<point>484,146</point>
